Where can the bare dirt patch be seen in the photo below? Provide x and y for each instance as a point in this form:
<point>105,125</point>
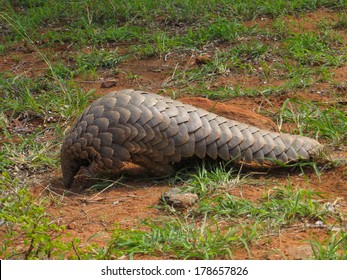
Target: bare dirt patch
<point>308,22</point>
<point>340,74</point>
<point>92,216</point>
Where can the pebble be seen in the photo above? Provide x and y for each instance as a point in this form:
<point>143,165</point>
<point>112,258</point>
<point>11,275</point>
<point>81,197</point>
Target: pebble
<point>176,199</point>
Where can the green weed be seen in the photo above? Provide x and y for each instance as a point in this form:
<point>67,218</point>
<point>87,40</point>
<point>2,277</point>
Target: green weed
<point>314,50</point>
<point>41,98</point>
<point>98,59</point>
<point>21,31</point>
<point>163,42</point>
<point>31,153</point>
<point>173,238</point>
<point>280,28</point>
<point>241,58</point>
<point>221,93</point>
<point>342,22</point>
<point>30,110</point>
<point>63,72</point>
<point>334,247</point>
<point>97,22</point>
<point>249,51</point>
<point>2,49</point>
<point>281,207</point>
<point>103,13</point>
<point>29,232</point>
<point>208,177</point>
<point>329,122</point>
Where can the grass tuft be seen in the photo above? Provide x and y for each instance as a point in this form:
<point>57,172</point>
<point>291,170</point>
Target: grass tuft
<point>329,122</point>
<point>24,218</point>
<point>334,247</point>
<point>174,239</point>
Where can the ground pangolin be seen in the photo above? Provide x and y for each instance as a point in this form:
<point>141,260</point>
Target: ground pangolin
<point>155,131</point>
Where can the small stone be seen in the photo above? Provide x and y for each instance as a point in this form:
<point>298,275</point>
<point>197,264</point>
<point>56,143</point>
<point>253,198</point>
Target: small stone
<point>176,199</point>
<point>70,226</point>
<point>108,84</point>
<point>319,223</point>
<point>330,207</point>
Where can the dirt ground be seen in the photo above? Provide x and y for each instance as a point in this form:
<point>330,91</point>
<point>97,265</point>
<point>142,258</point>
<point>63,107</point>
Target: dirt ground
<point>91,216</point>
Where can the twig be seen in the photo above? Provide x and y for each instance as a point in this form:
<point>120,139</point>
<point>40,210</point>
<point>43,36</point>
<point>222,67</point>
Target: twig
<point>75,250</point>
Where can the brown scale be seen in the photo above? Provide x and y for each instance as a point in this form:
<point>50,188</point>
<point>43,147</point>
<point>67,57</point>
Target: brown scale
<point>155,131</point>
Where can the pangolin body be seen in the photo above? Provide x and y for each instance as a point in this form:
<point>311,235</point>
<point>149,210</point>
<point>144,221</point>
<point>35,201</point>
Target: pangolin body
<point>155,131</point>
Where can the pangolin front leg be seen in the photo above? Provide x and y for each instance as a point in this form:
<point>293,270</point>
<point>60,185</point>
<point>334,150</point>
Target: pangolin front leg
<point>155,131</point>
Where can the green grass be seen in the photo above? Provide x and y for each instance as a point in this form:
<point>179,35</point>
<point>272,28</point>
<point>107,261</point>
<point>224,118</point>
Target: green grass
<point>281,207</point>
<point>221,93</point>
<point>31,153</point>
<point>2,49</point>
<point>342,22</point>
<point>207,177</point>
<point>104,12</point>
<point>329,122</point>
<point>315,49</point>
<point>175,238</point>
<point>94,36</point>
<point>98,59</point>
<point>24,218</point>
<point>218,225</point>
<point>100,21</point>
<point>334,247</point>
<point>239,59</point>
<point>31,110</point>
<point>41,97</point>
<point>162,42</point>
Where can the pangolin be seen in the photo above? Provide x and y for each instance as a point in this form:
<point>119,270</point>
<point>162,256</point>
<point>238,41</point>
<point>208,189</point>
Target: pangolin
<point>154,132</point>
